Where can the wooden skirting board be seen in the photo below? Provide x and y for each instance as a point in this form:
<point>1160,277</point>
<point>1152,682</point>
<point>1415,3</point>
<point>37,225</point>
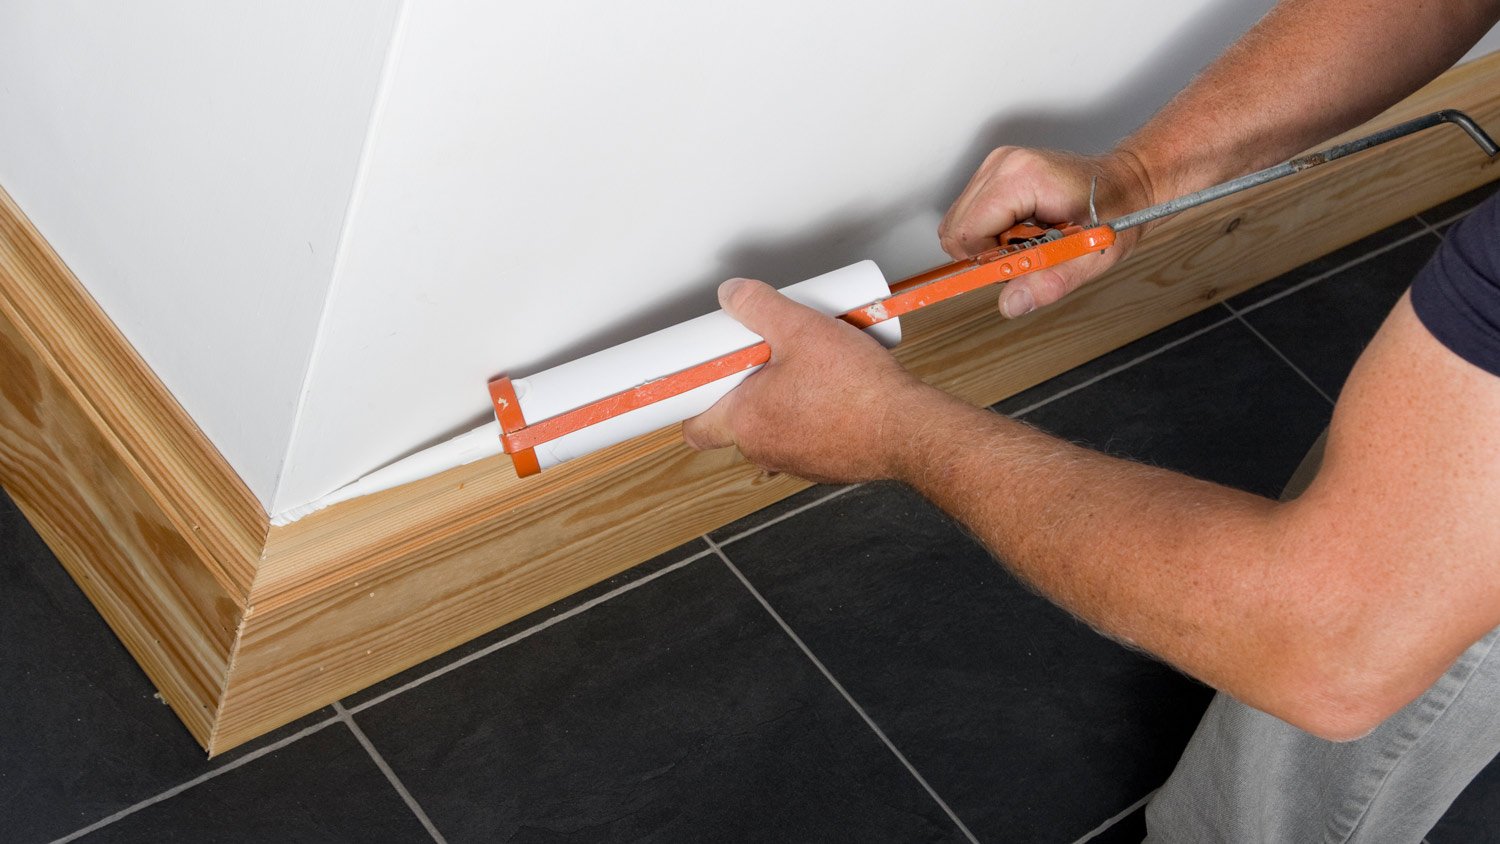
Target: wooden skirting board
<point>244,627</point>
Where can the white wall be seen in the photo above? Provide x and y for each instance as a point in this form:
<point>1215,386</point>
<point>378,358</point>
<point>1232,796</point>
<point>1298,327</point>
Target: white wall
<point>192,163</point>
<point>546,179</point>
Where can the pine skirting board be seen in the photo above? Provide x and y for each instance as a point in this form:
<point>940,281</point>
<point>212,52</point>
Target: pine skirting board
<point>244,627</point>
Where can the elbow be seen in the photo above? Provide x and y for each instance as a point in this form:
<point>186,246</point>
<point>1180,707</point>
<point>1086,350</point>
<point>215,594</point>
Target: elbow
<point>1341,674</point>
<point>1338,718</point>
<point>1342,648</point>
<point>1342,690</point>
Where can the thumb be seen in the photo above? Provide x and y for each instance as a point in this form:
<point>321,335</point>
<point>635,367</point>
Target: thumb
<point>1043,287</point>
<point>762,308</point>
<point>710,429</point>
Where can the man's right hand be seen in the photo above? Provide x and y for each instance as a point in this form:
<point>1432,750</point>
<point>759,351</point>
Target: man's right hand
<point>1015,184</point>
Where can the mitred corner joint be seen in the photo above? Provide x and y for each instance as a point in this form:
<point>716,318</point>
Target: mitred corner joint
<point>508,411</point>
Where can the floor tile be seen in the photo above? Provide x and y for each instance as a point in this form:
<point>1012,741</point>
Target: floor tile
<point>1104,363</point>
<point>1323,328</point>
<point>1333,260</point>
<point>84,735</point>
<point>1445,212</point>
<point>323,788</point>
<point>528,621</point>
<point>774,511</point>
<point>1130,829</point>
<point>1221,407</point>
<point>676,712</point>
<point>1030,725</point>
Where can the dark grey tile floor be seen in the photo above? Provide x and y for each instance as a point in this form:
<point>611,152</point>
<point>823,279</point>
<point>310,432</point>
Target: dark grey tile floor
<point>809,673</point>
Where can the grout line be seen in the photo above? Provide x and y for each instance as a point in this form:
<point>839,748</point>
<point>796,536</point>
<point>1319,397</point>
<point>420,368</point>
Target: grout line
<point>198,780</point>
<point>1427,229</point>
<point>1308,282</point>
<point>1119,816</point>
<point>790,513</point>
<point>390,775</point>
<point>1124,366</point>
<point>536,628</point>
<point>1258,304</point>
<point>1284,359</point>
<point>806,651</point>
<point>1430,226</point>
<point>1450,219</point>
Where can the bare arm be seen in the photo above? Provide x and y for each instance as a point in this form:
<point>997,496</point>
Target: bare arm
<point>1308,70</point>
<point>1330,612</point>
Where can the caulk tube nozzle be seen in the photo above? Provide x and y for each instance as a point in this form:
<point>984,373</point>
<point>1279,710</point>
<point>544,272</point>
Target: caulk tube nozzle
<point>463,449</point>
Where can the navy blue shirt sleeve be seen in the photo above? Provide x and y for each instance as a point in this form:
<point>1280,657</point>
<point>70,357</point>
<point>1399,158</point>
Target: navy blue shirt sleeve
<point>1457,295</point>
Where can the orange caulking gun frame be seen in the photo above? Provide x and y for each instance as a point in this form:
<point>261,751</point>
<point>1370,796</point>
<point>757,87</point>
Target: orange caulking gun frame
<point>1024,249</point>
<point>1035,250</point>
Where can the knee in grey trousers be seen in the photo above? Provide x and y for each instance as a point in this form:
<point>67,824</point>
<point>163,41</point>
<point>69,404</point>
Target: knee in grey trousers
<point>1247,777</point>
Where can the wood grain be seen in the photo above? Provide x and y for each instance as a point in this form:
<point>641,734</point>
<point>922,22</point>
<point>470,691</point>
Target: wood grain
<point>117,481</point>
<point>353,594</point>
<point>199,493</point>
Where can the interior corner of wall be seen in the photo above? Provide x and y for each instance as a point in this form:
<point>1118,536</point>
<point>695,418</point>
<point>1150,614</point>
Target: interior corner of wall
<point>280,500</point>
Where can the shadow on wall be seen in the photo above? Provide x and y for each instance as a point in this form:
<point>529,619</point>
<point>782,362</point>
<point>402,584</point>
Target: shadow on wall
<point>1121,107</point>
<point>854,233</point>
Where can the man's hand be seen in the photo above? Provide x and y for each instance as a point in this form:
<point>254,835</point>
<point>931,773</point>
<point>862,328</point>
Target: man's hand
<point>1015,184</point>
<point>829,406</point>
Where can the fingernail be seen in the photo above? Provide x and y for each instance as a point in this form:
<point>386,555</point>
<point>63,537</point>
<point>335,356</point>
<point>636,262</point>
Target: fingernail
<point>727,289</point>
<point>1017,303</point>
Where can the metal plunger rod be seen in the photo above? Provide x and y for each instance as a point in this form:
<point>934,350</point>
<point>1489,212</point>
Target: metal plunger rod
<point>1297,165</point>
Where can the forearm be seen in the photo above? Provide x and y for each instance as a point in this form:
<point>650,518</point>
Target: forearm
<point>1307,71</point>
<point>1331,611</point>
<point>1185,569</point>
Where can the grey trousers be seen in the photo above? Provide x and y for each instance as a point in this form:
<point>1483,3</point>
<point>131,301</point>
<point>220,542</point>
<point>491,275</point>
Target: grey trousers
<point>1248,777</point>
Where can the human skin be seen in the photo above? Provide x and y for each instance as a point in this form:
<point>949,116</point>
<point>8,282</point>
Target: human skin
<point>1309,70</point>
<point>1331,611</point>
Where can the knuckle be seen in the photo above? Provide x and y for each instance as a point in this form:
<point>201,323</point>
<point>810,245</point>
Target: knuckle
<point>1002,152</point>
<point>1047,288</point>
<point>1021,159</point>
<point>1052,286</point>
<point>1002,158</point>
